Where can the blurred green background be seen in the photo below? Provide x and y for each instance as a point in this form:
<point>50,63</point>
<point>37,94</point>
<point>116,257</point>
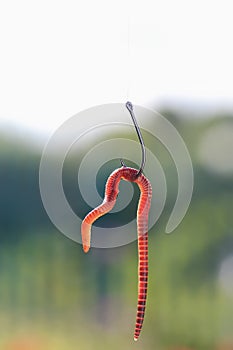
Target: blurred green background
<point>53,296</point>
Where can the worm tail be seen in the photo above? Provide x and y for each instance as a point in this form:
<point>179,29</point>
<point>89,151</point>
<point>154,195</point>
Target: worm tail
<point>142,282</point>
<point>142,223</point>
<point>90,218</point>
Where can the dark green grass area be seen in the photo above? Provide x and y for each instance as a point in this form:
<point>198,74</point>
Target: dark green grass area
<point>55,297</point>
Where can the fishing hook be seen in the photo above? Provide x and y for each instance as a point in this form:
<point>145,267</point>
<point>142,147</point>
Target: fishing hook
<point>129,106</point>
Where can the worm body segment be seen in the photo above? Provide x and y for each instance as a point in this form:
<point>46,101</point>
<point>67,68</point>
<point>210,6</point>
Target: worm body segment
<point>111,191</point>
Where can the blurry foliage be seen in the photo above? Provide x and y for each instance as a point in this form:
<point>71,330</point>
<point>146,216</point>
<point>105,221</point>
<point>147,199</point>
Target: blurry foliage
<point>55,297</point>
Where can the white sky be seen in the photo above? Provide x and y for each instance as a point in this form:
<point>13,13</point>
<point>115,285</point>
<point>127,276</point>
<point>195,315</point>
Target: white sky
<point>60,57</point>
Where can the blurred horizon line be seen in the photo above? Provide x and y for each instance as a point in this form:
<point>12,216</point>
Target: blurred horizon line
<point>185,110</point>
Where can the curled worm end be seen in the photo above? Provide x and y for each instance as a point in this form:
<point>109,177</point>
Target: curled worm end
<point>135,339</point>
<point>86,236</point>
<point>86,248</point>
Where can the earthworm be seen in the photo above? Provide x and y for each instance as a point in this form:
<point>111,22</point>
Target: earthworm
<point>111,192</point>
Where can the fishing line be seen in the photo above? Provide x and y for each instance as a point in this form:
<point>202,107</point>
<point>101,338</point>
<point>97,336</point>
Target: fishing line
<point>128,53</point>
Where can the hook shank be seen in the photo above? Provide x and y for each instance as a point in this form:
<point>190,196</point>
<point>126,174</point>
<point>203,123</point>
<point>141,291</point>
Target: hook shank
<point>129,106</point>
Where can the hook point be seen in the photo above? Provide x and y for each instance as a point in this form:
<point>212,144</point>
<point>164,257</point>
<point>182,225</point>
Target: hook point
<point>122,163</point>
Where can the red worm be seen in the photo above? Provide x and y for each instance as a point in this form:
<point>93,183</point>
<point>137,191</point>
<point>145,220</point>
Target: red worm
<point>111,191</point>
